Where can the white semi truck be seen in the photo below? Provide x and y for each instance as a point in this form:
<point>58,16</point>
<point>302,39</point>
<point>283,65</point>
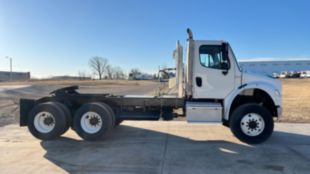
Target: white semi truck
<point>212,89</point>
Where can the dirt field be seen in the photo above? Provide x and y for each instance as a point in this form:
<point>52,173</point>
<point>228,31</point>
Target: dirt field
<point>83,83</point>
<point>296,100</point>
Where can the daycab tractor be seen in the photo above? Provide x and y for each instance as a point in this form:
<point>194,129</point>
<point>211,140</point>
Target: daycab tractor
<point>212,89</point>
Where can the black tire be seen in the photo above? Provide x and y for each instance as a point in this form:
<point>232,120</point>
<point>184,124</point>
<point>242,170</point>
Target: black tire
<point>110,111</point>
<point>67,114</point>
<point>242,111</point>
<point>118,122</point>
<point>103,112</point>
<point>59,121</point>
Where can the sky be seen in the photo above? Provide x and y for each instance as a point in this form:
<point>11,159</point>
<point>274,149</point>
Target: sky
<point>58,37</point>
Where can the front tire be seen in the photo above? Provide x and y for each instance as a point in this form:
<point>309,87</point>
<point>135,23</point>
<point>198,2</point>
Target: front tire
<point>251,123</point>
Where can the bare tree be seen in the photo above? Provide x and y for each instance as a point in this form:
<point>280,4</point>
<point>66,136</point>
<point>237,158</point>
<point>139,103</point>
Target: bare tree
<point>98,65</point>
<point>133,73</point>
<point>118,73</point>
<point>83,75</point>
<point>110,72</point>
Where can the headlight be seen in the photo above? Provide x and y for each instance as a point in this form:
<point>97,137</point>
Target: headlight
<point>277,93</point>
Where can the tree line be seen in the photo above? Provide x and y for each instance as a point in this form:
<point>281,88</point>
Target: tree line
<point>101,67</point>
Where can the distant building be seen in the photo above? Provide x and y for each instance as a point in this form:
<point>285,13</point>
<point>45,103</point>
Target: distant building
<point>6,75</point>
<point>271,66</point>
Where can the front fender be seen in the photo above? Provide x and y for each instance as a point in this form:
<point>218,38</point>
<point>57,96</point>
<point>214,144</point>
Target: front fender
<point>267,87</point>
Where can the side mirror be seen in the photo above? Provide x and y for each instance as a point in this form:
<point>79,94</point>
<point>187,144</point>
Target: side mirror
<point>224,66</point>
<point>225,48</point>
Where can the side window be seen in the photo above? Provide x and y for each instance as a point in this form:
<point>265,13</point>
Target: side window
<point>211,56</point>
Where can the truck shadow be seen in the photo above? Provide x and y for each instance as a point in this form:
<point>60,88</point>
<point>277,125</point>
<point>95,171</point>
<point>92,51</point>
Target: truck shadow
<point>137,150</point>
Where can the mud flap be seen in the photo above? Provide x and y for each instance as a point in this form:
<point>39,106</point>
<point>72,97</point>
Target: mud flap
<point>25,106</point>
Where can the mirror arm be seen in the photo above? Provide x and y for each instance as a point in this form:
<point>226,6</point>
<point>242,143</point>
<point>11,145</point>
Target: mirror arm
<point>225,72</point>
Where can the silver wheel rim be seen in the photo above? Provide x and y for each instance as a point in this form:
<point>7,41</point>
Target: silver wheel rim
<point>252,124</point>
<point>91,122</point>
<point>44,122</point>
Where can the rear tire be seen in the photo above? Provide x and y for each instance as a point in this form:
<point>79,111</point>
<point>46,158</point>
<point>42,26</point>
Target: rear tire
<point>251,123</point>
<point>67,114</point>
<point>93,121</point>
<point>111,112</point>
<point>46,121</point>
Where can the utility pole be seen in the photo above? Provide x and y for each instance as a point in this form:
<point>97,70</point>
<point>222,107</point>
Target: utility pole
<point>10,58</point>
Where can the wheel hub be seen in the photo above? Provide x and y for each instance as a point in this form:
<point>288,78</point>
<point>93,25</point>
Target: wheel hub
<point>48,121</point>
<point>94,121</point>
<point>252,124</point>
<point>91,122</point>
<point>44,122</point>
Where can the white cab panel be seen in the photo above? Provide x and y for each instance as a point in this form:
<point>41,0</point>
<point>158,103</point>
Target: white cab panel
<point>215,84</point>
<point>203,112</point>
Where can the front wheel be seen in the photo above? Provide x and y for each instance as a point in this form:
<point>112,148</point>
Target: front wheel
<point>251,123</point>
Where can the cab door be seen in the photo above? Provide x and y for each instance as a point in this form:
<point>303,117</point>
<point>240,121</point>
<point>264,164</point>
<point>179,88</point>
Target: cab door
<point>213,72</point>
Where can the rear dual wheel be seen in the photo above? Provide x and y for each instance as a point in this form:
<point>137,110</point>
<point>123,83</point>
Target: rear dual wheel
<point>93,121</point>
<point>68,116</point>
<point>49,120</point>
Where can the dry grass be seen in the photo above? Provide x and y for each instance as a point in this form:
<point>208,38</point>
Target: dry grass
<point>296,100</point>
<point>79,82</point>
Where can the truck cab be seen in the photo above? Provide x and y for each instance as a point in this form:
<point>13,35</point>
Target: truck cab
<point>217,88</point>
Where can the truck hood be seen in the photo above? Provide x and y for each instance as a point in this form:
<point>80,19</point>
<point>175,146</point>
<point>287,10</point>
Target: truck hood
<point>249,77</point>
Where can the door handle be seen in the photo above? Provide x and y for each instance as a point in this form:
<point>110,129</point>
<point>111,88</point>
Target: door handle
<point>199,81</point>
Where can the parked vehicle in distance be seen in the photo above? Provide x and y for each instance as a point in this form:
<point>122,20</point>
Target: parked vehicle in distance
<point>275,75</point>
<point>294,74</point>
<point>140,76</point>
<point>283,74</point>
<point>305,74</point>
<point>213,89</point>
<point>289,74</point>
